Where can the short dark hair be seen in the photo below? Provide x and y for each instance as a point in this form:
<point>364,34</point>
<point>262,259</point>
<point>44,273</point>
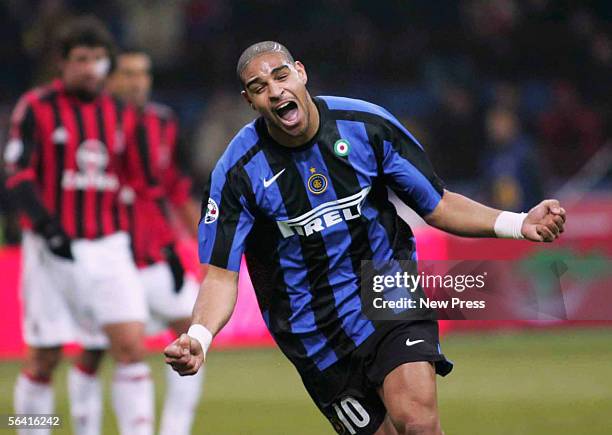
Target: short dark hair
<point>131,50</point>
<point>258,49</point>
<point>85,31</point>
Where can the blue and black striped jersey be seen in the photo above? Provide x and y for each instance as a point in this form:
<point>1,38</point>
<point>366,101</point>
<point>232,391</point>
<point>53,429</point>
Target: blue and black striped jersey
<point>306,217</point>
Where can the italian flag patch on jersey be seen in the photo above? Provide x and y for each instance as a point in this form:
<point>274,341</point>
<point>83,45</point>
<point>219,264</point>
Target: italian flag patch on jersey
<point>342,147</point>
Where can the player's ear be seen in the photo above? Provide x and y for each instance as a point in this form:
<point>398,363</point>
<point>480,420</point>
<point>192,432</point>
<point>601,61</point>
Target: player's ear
<point>247,99</point>
<point>301,70</point>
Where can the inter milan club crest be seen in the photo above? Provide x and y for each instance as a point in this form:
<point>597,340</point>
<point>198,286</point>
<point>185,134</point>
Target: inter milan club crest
<point>212,212</point>
<point>317,183</point>
<point>342,147</point>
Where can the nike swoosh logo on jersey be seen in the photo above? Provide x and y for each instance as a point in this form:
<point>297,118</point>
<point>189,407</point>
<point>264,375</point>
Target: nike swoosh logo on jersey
<point>412,343</point>
<point>267,183</point>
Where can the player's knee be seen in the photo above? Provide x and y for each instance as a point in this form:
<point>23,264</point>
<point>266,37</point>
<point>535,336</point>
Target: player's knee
<point>419,420</point>
<point>90,359</point>
<point>418,427</point>
<point>128,350</point>
<point>127,354</point>
<point>42,362</point>
<point>126,342</point>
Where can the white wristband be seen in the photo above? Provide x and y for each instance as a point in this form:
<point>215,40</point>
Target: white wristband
<point>508,225</point>
<point>202,334</point>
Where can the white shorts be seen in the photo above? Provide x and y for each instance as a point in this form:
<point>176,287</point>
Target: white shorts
<point>165,304</point>
<point>66,301</point>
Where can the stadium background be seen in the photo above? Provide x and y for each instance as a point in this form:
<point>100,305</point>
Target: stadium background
<point>512,101</point>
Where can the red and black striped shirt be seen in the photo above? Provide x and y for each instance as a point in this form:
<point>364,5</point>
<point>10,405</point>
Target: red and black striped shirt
<point>157,142</point>
<point>77,154</point>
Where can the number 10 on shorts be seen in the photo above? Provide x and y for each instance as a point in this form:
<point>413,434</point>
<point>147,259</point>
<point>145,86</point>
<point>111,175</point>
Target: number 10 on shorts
<point>351,414</point>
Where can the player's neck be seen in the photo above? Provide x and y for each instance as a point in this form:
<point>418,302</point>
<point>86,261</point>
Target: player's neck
<point>287,140</point>
<point>81,94</point>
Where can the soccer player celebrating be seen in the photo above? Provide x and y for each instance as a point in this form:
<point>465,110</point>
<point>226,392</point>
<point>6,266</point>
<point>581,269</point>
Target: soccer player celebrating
<point>302,192</point>
<point>70,149</point>
<point>170,292</point>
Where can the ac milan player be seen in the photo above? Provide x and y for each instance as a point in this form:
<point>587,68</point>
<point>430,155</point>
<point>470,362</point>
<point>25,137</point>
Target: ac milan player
<point>170,292</point>
<point>71,147</point>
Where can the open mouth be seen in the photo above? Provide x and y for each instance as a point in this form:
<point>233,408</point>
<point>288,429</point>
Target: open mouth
<point>288,112</point>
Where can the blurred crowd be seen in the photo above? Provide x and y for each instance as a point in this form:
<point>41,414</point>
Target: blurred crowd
<point>510,98</point>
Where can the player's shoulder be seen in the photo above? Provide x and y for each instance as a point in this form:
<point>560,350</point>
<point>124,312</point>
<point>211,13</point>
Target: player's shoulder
<point>117,103</point>
<point>43,92</point>
<point>160,110</point>
<point>29,99</point>
<point>366,112</point>
<point>241,148</point>
<point>355,105</point>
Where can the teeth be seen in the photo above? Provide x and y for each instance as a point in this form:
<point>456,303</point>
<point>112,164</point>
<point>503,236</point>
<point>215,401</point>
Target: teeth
<point>282,106</point>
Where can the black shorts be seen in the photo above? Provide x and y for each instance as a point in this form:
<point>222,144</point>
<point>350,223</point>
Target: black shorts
<point>346,392</point>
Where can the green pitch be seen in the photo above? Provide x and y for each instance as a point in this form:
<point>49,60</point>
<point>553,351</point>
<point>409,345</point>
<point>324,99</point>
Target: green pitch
<point>556,382</point>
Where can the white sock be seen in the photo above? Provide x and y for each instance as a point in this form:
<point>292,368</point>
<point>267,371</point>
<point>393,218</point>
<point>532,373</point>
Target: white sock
<point>182,397</point>
<point>33,396</point>
<point>85,394</point>
<point>133,399</point>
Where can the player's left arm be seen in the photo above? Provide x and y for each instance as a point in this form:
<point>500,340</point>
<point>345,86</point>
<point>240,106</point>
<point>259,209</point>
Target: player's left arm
<point>189,213</point>
<point>138,170</point>
<point>140,174</point>
<point>411,176</point>
<point>177,184</point>
<point>462,216</point>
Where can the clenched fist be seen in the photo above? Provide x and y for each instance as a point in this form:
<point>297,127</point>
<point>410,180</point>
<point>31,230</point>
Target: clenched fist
<point>185,355</point>
<point>544,222</point>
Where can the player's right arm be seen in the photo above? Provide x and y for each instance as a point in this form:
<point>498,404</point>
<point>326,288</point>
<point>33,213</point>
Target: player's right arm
<point>225,224</point>
<point>20,157</point>
<point>212,310</point>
